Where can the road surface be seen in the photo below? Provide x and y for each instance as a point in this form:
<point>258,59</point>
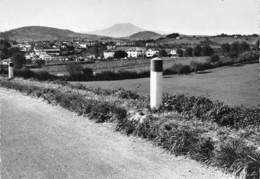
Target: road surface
<point>39,140</point>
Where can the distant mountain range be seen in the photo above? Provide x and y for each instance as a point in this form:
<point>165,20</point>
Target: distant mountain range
<point>119,30</point>
<point>40,33</point>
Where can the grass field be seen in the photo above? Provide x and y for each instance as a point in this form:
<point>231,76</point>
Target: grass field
<point>233,85</point>
<point>129,65</point>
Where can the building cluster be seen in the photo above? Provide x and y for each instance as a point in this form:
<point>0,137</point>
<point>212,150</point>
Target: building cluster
<point>85,50</point>
<point>138,52</point>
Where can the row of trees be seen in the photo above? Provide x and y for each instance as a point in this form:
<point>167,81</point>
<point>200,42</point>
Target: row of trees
<point>234,49</point>
<point>196,51</point>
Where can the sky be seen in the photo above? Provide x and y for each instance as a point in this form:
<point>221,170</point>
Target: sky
<point>203,17</point>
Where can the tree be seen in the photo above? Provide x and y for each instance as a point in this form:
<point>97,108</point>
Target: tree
<point>120,54</point>
<point>188,52</point>
<point>214,58</point>
<point>163,53</point>
<point>173,35</point>
<point>197,51</point>
<point>4,46</point>
<point>74,69</point>
<point>207,51</point>
<point>244,46</point>
<point>257,44</point>
<point>39,62</point>
<point>234,49</point>
<point>19,60</point>
<point>179,52</point>
<point>225,48</point>
<point>237,48</point>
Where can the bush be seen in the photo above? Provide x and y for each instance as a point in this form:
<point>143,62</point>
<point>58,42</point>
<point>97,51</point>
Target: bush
<point>248,57</point>
<point>233,154</point>
<point>179,52</point>
<point>41,75</point>
<point>198,66</point>
<point>179,69</point>
<point>188,52</point>
<point>214,58</point>
<point>87,72</point>
<point>207,51</point>
<point>204,109</point>
<point>197,51</point>
<point>125,94</point>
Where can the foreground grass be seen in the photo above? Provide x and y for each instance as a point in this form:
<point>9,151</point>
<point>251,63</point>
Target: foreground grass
<point>192,126</point>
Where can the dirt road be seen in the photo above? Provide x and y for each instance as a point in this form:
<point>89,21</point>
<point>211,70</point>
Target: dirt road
<point>39,140</point>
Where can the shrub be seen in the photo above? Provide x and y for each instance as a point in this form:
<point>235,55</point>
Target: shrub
<point>248,57</point>
<point>205,109</point>
<point>207,50</point>
<point>179,69</point>
<point>188,52</point>
<point>87,72</point>
<point>233,154</point>
<point>74,69</point>
<point>197,51</point>
<point>214,58</point>
<point>41,75</point>
<point>125,94</point>
<point>179,52</point>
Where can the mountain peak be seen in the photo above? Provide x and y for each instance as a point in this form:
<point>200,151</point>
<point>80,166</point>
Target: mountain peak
<point>119,30</point>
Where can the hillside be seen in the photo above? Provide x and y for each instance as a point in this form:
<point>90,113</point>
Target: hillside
<point>119,30</point>
<point>184,40</point>
<point>39,33</point>
<point>144,35</point>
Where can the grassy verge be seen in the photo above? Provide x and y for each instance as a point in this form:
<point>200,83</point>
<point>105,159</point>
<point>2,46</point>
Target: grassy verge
<point>192,126</point>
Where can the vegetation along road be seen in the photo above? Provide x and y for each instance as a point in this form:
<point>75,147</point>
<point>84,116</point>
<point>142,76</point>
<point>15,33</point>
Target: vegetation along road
<point>39,140</point>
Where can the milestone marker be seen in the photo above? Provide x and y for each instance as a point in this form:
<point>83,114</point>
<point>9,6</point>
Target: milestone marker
<point>156,77</point>
<point>10,70</point>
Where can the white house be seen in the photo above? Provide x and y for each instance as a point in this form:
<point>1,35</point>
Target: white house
<point>5,61</point>
<point>135,52</point>
<point>151,52</point>
<point>173,52</point>
<point>44,56</point>
<point>108,54</point>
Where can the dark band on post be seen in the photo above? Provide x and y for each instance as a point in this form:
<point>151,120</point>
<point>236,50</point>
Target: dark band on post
<point>157,65</point>
<point>11,64</point>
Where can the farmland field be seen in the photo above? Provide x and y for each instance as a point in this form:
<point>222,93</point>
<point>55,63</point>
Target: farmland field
<point>130,65</point>
<point>236,85</point>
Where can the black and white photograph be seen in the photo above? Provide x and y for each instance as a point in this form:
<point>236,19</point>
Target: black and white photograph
<point>130,89</point>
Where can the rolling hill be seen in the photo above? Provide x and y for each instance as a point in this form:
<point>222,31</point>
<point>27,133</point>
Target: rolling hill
<point>119,30</point>
<point>40,33</point>
<point>144,35</point>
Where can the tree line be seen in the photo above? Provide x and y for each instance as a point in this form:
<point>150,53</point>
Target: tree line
<point>232,50</point>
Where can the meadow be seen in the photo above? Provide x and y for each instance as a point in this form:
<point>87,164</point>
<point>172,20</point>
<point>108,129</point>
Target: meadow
<point>234,85</point>
<point>137,65</point>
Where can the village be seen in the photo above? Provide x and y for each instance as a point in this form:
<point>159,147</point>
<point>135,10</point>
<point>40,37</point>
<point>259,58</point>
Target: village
<point>80,51</point>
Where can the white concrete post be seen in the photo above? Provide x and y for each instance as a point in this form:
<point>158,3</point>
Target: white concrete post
<point>10,70</point>
<point>156,87</point>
